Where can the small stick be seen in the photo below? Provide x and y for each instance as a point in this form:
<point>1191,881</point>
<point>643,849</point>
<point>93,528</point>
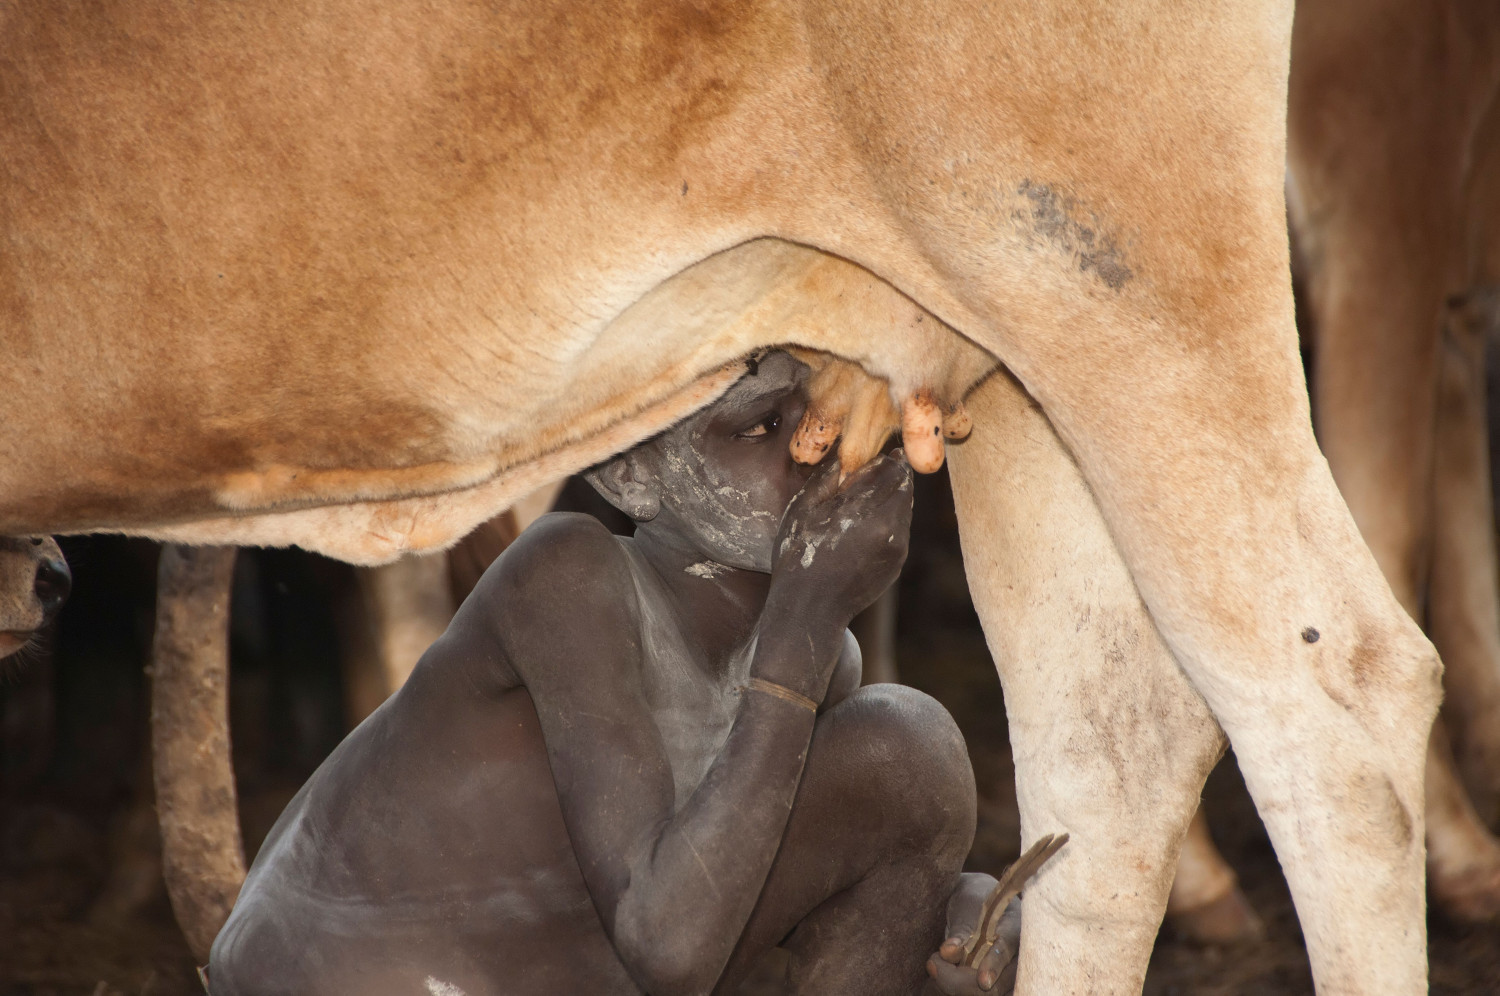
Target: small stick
<point>1012,880</point>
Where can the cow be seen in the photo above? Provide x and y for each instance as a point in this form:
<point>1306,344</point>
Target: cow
<point>1394,197</point>
<point>356,276</point>
<point>34,583</point>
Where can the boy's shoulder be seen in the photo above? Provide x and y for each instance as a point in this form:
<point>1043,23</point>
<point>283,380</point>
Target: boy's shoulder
<point>564,563</point>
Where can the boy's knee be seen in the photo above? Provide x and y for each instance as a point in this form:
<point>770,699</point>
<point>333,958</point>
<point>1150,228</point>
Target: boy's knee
<point>908,752</point>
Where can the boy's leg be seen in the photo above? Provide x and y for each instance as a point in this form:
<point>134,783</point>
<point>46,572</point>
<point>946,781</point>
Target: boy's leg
<point>878,834</point>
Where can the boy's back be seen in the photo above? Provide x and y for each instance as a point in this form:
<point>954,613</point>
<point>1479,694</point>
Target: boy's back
<point>454,839</point>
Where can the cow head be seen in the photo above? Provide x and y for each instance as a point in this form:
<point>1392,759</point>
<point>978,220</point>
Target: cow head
<point>34,582</point>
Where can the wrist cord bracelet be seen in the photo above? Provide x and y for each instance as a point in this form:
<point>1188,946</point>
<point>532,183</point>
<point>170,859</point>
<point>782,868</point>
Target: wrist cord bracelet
<point>781,692</point>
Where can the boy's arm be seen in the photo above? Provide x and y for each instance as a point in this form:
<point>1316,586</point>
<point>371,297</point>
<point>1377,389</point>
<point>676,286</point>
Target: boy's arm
<point>675,889</point>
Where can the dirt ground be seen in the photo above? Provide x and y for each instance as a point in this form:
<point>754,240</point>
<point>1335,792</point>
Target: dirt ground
<point>82,910</point>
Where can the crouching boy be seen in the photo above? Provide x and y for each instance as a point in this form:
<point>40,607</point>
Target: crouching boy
<point>635,765</point>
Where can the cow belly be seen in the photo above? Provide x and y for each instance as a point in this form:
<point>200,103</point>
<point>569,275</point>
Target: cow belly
<point>696,324</point>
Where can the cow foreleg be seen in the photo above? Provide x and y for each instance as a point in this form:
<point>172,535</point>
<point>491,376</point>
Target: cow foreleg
<point>1111,742</point>
<point>408,604</point>
<point>203,858</point>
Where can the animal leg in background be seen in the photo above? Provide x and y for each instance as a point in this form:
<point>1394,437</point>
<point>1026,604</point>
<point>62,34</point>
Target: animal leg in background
<point>1463,608</point>
<point>875,630</point>
<point>1463,613</point>
<point>404,606</point>
<point>1377,176</point>
<point>203,859</point>
<point>1206,904</point>
<point>1111,743</point>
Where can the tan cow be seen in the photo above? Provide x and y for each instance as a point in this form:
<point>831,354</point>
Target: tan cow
<point>1394,176</point>
<point>357,275</point>
<point>34,582</point>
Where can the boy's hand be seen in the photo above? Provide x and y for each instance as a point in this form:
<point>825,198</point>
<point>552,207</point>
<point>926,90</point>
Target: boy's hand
<point>995,974</point>
<point>840,548</point>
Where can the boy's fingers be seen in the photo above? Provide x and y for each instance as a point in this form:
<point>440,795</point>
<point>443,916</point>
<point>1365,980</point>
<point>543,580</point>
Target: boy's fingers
<point>823,484</point>
<point>951,979</point>
<point>1009,929</point>
<point>994,961</point>
<point>952,950</point>
<point>877,481</point>
<point>967,904</point>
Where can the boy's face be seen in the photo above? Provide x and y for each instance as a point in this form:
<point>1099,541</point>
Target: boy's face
<point>725,476</point>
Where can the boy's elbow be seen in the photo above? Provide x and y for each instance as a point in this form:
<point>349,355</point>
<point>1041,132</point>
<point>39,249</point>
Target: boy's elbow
<point>667,958</point>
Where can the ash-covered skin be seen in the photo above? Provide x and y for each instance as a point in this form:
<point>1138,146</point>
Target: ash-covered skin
<point>607,777</point>
<point>696,472</point>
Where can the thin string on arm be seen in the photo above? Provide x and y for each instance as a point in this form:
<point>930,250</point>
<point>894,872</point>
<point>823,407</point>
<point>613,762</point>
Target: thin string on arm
<point>780,692</point>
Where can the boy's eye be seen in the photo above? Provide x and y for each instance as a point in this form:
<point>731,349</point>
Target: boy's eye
<point>764,427</point>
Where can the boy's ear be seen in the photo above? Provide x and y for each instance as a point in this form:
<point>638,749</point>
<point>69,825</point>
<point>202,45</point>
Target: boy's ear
<point>617,481</point>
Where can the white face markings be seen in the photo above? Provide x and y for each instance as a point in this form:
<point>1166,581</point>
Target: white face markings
<point>728,516</point>
<point>436,987</point>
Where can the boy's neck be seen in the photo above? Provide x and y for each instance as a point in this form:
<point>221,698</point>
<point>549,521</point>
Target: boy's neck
<point>718,605</point>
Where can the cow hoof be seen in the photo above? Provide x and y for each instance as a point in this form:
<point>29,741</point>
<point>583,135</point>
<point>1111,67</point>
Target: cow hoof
<point>1228,920</point>
<point>1467,895</point>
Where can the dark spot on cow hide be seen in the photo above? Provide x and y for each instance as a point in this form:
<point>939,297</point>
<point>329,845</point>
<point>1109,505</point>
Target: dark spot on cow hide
<point>1310,635</point>
<point>1054,218</point>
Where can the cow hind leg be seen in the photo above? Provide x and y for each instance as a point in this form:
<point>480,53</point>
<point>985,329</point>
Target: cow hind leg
<point>1111,743</point>
<point>1257,578</point>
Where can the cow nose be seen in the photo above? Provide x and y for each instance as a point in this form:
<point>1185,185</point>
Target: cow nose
<point>53,583</point>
